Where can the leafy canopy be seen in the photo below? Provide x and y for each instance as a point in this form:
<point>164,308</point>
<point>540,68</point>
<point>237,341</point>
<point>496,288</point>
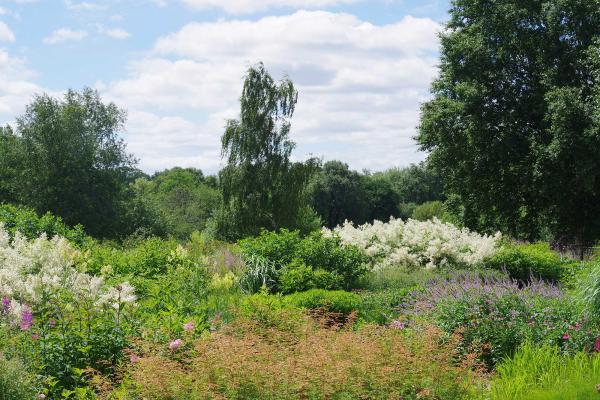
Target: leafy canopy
<point>514,123</point>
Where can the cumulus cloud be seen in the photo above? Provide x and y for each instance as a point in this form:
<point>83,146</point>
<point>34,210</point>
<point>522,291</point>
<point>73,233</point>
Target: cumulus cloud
<point>16,86</point>
<point>64,35</point>
<point>360,85</point>
<point>6,35</point>
<point>251,6</point>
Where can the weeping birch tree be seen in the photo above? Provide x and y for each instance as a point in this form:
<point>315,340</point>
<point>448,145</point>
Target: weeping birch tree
<point>261,188</point>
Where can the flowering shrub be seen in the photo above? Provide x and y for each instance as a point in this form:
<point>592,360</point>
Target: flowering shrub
<point>417,244</point>
<point>495,316</point>
<point>369,363</point>
<point>68,320</point>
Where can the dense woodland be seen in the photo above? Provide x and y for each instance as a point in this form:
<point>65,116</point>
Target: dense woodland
<point>473,275</point>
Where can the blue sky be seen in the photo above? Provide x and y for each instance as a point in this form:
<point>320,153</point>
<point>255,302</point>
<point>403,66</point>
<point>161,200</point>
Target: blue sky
<point>176,66</point>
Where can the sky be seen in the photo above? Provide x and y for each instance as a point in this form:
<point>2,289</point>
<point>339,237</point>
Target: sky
<point>362,69</point>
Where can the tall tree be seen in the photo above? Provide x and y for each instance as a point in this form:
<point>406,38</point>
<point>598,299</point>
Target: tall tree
<point>181,196</point>
<point>261,187</point>
<point>73,162</point>
<point>514,124</point>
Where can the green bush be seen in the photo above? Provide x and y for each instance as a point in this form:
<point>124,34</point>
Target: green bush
<point>26,221</point>
<point>429,210</point>
<point>544,373</point>
<point>271,312</point>
<point>16,382</point>
<point>383,307</point>
<point>146,258</point>
<point>297,256</point>
<point>526,261</point>
<point>299,277</point>
<point>336,301</point>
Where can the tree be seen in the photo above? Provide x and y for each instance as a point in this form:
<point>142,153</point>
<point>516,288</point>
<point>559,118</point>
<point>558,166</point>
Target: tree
<point>10,151</point>
<point>414,184</point>
<point>338,194</point>
<point>260,186</point>
<point>514,123</point>
<point>182,196</point>
<point>73,162</point>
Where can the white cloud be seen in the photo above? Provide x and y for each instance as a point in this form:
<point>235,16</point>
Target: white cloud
<point>16,86</point>
<point>251,6</point>
<point>6,35</point>
<point>360,86</point>
<point>115,33</point>
<point>83,6</point>
<point>64,35</point>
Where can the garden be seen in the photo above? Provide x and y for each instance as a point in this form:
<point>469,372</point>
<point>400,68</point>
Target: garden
<point>404,309</point>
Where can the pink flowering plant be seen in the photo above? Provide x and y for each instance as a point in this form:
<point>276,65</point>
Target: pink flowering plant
<point>60,319</point>
<point>495,316</point>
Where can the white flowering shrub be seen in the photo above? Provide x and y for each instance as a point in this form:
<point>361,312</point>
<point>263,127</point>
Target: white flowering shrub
<point>42,271</point>
<point>417,244</point>
<point>69,319</point>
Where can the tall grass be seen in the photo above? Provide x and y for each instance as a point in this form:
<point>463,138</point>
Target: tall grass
<point>543,373</point>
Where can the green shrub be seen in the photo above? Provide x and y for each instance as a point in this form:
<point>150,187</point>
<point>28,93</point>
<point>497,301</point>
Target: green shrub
<point>29,223</point>
<point>543,373</point>
<point>588,291</point>
<point>272,312</point>
<point>146,258</point>
<point>336,301</point>
<point>299,277</point>
<point>296,256</point>
<point>16,382</point>
<point>526,261</point>
<point>383,307</point>
<point>429,210</point>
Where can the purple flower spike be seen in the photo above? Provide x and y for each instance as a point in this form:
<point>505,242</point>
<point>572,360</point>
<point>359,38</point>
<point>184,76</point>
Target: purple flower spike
<point>5,305</point>
<point>26,319</point>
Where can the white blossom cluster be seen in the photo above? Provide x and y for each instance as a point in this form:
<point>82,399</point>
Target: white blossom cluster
<point>33,272</point>
<point>417,244</point>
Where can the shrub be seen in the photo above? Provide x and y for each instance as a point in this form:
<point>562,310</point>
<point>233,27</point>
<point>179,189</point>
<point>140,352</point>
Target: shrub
<point>417,244</point>
<point>26,221</point>
<point>145,258</point>
<point>495,317</point>
<point>544,373</point>
<point>588,291</point>
<point>175,298</point>
<point>16,383</point>
<point>526,261</point>
<point>336,301</point>
<point>430,210</point>
<point>370,363</point>
<point>298,277</point>
<point>382,307</point>
<point>67,319</point>
<point>297,256</point>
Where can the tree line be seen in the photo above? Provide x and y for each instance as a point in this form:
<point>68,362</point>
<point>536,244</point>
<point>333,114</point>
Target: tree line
<point>512,134</point>
<point>65,156</point>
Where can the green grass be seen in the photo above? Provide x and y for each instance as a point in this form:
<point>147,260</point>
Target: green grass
<point>541,373</point>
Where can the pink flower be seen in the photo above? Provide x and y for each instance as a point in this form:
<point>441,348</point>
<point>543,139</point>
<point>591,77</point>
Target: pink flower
<point>566,336</point>
<point>189,326</point>
<point>26,319</point>
<point>597,345</point>
<point>175,344</point>
<point>41,396</point>
<point>397,324</point>
<point>134,358</point>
